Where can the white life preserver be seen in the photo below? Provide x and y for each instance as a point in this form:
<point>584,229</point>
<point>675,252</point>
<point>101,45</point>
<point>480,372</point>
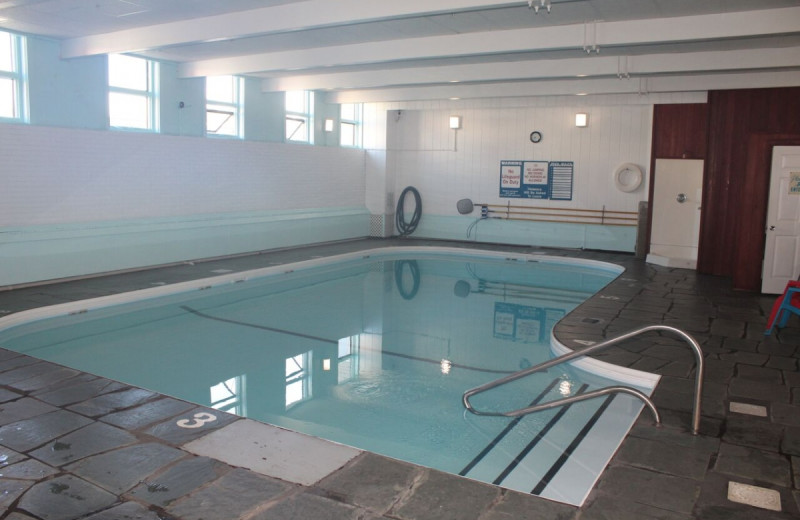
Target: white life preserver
<point>628,177</point>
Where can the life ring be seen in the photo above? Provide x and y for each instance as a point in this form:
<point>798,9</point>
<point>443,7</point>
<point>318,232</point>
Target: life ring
<point>632,176</point>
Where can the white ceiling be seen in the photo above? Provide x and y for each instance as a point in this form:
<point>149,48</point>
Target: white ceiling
<point>376,50</point>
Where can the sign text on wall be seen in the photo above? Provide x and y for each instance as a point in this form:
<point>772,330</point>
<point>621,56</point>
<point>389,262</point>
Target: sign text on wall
<point>536,179</point>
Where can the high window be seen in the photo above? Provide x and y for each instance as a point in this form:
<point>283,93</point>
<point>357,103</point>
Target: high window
<point>300,116</point>
<point>224,106</point>
<point>13,87</point>
<point>132,93</point>
<point>350,125</point>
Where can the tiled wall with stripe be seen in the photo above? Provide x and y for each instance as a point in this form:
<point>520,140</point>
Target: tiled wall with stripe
<point>56,176</point>
<point>76,202</point>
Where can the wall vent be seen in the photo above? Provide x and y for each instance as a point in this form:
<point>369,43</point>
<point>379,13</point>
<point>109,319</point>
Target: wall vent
<point>376,226</point>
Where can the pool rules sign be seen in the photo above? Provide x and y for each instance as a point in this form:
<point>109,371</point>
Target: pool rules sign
<point>536,179</point>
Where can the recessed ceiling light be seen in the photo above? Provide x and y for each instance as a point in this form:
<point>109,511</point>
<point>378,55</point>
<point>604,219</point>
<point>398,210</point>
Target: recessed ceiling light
<point>455,81</point>
<point>454,98</point>
<point>582,94</point>
<point>581,75</point>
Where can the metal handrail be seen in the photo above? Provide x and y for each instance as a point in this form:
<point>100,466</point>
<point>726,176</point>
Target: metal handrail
<point>569,400</point>
<point>595,393</point>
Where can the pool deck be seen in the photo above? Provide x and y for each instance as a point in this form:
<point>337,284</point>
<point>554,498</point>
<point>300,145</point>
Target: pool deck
<point>73,445</point>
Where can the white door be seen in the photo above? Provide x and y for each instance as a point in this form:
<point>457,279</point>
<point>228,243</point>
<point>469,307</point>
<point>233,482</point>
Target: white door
<point>782,250</point>
<point>677,193</point>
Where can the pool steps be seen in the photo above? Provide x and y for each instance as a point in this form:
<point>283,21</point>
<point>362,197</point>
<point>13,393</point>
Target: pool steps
<point>549,463</point>
<point>603,391</point>
<point>508,459</point>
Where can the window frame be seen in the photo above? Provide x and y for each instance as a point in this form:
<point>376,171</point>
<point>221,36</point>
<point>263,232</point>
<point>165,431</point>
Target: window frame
<point>356,124</point>
<point>150,94</point>
<point>19,79</point>
<point>236,109</point>
<point>306,117</point>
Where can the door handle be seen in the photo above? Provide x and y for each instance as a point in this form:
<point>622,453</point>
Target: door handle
<point>771,228</point>
<point>681,198</point>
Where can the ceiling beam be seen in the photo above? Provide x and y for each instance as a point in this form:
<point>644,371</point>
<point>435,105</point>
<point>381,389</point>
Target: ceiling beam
<point>576,36</point>
<point>543,69</point>
<point>281,18</point>
<point>577,87</point>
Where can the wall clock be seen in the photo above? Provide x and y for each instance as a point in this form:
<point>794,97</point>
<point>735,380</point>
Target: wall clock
<point>536,136</point>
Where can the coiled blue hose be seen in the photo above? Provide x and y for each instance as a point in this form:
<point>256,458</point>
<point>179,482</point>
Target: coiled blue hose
<point>406,228</point>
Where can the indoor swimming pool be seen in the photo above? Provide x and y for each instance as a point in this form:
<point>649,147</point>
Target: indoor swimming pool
<point>373,350</point>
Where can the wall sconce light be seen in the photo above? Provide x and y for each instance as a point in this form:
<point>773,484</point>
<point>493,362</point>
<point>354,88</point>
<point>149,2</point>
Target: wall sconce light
<point>455,122</point>
<point>329,125</point>
<point>581,119</point>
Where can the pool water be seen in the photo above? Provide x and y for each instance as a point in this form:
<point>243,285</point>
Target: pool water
<point>375,353</point>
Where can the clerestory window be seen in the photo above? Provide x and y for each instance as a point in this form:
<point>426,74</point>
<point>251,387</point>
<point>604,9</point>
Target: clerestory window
<point>225,106</point>
<point>350,125</point>
<point>132,93</point>
<point>13,78</point>
<point>300,116</point>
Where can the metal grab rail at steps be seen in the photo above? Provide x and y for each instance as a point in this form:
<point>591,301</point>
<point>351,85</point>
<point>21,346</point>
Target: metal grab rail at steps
<point>698,387</point>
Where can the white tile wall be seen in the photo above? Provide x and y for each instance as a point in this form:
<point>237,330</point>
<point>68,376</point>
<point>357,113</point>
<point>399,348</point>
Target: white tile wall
<point>446,165</point>
<point>424,152</point>
<point>57,175</point>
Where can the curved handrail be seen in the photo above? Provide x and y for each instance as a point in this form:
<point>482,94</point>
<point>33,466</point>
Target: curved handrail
<point>572,399</point>
<point>615,389</point>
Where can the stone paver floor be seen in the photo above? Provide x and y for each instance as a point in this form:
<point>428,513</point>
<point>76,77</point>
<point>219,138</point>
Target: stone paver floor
<point>74,445</point>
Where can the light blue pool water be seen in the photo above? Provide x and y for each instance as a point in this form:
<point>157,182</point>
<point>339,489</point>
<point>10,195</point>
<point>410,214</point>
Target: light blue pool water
<point>374,353</point>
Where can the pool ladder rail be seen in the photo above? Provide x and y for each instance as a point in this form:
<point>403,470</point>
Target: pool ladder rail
<point>698,386</point>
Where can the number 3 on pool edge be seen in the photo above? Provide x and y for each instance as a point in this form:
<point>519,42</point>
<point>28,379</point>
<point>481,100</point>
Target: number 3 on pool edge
<point>199,420</point>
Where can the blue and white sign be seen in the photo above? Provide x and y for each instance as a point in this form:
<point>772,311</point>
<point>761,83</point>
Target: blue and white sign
<point>536,180</point>
<point>510,178</point>
<point>561,176</point>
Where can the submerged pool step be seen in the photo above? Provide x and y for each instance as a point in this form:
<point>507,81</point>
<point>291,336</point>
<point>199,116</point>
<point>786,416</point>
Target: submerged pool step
<point>571,433</point>
<point>531,462</point>
<point>576,477</point>
<point>500,443</point>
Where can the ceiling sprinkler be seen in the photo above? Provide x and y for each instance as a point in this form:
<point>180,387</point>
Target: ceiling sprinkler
<point>538,4</point>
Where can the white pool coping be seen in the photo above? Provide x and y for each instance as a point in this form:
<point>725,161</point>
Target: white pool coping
<point>630,376</point>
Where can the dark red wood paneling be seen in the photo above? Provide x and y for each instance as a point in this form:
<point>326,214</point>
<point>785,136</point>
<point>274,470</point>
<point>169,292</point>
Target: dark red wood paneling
<point>679,131</point>
<point>731,214</point>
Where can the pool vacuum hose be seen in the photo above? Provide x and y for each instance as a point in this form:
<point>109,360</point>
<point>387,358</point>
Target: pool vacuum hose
<point>406,228</point>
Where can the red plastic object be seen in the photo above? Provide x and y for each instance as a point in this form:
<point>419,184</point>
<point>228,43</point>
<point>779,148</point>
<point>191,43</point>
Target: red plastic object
<point>788,303</point>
